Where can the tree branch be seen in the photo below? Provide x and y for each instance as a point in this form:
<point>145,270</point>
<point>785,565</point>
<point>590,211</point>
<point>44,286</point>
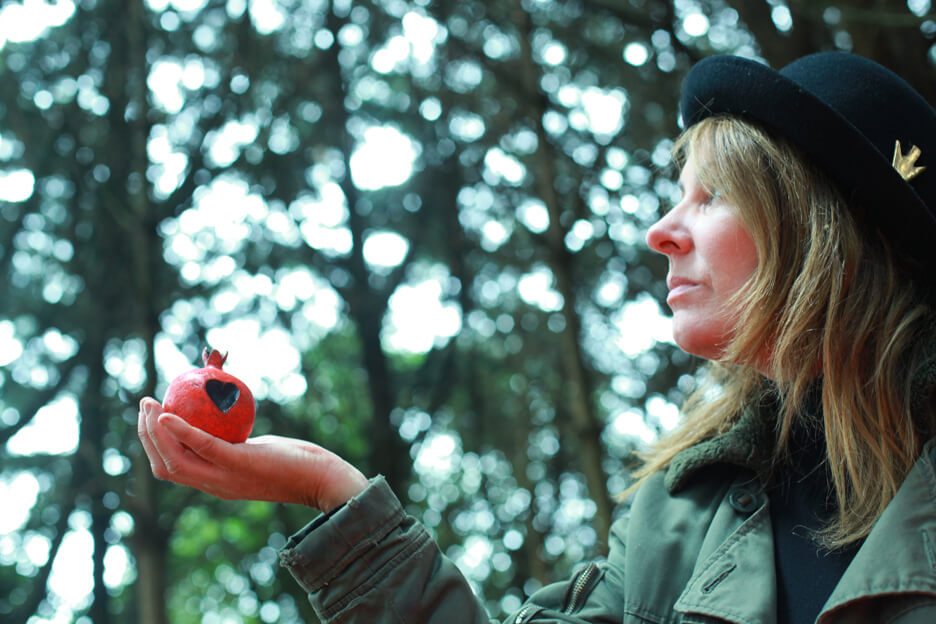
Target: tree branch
<point>38,586</point>
<point>39,400</point>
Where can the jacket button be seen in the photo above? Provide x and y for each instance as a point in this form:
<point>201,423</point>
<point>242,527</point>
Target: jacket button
<point>743,500</point>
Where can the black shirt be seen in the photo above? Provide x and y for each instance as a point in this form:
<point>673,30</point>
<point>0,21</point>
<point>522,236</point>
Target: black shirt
<point>801,503</point>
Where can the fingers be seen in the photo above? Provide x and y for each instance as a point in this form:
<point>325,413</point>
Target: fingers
<point>149,411</point>
<point>208,447</point>
<point>169,448</point>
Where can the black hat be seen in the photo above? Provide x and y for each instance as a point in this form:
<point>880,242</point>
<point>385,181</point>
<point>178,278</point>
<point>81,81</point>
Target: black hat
<point>864,125</point>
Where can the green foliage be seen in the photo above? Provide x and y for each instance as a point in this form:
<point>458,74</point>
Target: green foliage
<point>196,168</point>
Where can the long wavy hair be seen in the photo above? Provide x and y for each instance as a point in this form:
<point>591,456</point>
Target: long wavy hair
<point>829,301</point>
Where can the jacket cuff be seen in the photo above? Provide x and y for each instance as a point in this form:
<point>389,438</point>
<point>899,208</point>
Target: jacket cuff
<point>327,546</point>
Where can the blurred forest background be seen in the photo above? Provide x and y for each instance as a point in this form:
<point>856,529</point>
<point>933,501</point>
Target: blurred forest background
<point>417,227</point>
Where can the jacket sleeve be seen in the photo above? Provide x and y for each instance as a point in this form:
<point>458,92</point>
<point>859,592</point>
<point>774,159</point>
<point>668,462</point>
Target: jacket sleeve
<point>369,562</point>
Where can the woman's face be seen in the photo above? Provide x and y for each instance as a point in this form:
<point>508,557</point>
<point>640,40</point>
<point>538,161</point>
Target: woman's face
<point>711,257</point>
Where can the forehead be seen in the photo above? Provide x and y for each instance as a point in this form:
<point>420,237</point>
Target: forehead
<point>689,167</point>
<point>691,172</point>
<point>699,137</point>
<point>687,175</point>
<point>695,146</point>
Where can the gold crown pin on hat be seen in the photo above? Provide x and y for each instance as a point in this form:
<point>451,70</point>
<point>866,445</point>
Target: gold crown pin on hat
<point>906,164</point>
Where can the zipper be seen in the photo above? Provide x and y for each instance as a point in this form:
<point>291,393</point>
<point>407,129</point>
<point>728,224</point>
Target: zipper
<point>521,615</point>
<point>582,585</point>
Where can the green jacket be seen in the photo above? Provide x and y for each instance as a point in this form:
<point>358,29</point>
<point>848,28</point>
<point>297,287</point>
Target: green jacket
<point>696,546</point>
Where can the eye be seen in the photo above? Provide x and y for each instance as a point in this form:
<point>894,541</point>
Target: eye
<point>709,199</point>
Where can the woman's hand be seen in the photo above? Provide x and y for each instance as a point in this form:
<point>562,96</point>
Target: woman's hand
<point>266,468</point>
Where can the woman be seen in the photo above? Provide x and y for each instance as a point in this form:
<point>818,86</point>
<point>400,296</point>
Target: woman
<point>800,485</point>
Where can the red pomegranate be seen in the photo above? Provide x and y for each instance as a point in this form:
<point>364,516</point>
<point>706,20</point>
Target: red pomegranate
<point>212,400</point>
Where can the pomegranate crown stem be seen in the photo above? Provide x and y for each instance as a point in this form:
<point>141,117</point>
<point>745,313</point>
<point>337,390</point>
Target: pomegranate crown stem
<point>213,358</point>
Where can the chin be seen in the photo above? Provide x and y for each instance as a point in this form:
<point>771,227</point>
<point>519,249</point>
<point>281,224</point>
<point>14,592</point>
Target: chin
<point>704,344</point>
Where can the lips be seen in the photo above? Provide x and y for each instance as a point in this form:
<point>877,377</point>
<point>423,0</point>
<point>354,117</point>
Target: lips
<point>678,287</point>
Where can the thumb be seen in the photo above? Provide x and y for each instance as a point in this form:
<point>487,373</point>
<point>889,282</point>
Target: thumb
<point>203,444</point>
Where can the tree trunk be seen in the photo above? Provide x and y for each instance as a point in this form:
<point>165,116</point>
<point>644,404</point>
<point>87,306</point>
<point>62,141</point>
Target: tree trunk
<point>150,541</point>
<point>576,392</point>
<point>367,303</point>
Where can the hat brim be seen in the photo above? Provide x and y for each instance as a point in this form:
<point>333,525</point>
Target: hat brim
<point>730,85</point>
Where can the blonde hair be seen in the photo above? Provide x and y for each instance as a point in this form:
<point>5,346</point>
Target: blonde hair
<point>830,302</point>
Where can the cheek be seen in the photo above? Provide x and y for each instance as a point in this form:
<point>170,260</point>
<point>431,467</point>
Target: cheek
<point>735,260</point>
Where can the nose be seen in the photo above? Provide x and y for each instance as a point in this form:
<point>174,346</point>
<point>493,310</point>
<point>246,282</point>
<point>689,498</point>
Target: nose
<point>669,234</point>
